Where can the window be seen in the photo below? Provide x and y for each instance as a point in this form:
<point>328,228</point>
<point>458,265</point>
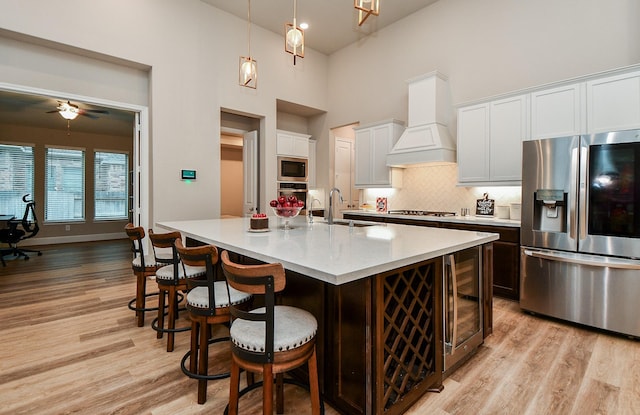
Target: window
<point>111,185</point>
<point>64,185</point>
<point>16,178</point>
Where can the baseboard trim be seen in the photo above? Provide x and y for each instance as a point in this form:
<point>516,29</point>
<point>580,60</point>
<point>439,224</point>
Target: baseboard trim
<point>53,240</point>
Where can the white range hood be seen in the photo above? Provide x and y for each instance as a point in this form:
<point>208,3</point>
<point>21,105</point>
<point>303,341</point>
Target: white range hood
<point>426,140</point>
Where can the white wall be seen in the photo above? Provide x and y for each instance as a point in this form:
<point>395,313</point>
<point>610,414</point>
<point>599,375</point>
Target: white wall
<point>486,48</point>
<point>193,51</point>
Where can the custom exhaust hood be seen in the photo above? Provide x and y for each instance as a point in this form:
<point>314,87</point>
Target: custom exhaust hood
<point>426,140</point>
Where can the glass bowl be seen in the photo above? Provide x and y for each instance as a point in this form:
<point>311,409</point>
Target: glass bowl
<point>287,213</point>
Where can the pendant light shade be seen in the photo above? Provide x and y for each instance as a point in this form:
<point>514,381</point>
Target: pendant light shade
<point>294,37</point>
<point>248,67</point>
<point>248,72</point>
<point>366,8</point>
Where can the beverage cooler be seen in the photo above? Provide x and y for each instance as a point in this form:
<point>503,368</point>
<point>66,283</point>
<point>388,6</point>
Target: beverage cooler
<point>580,229</point>
<point>462,302</point>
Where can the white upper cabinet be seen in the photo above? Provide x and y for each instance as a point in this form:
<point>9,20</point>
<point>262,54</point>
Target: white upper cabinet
<point>372,144</point>
<point>292,144</point>
<point>558,112</point>
<point>508,126</point>
<point>473,143</point>
<point>490,139</point>
<point>613,103</point>
<point>490,132</point>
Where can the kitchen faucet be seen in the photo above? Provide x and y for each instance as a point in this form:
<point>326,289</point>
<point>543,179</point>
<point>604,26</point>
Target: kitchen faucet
<point>330,217</point>
<point>311,209</point>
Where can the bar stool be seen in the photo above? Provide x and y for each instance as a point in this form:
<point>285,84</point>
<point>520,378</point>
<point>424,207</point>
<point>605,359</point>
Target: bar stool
<point>208,304</point>
<point>270,340</point>
<point>171,279</point>
<point>144,266</point>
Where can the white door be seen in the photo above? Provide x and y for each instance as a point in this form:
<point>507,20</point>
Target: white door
<point>343,172</point>
<point>250,166</point>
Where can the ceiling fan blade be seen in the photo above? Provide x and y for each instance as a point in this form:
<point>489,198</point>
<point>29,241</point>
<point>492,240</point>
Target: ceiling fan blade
<point>51,112</point>
<point>93,117</point>
<point>96,111</point>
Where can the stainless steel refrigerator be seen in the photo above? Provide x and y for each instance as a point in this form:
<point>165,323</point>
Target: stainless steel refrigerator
<point>580,230</point>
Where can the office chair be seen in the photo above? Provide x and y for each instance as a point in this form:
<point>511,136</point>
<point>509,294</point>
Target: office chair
<point>13,235</point>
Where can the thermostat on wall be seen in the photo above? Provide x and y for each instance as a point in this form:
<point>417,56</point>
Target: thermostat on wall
<point>188,174</point>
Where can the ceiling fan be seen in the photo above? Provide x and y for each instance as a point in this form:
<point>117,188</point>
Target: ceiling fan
<point>70,111</point>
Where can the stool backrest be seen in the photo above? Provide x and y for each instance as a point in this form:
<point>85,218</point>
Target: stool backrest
<point>136,235</point>
<point>166,240</point>
<point>265,280</point>
<point>201,256</point>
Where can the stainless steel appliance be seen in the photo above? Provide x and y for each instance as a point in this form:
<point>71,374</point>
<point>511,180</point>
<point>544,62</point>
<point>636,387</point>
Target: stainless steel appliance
<point>580,229</point>
<point>292,169</point>
<point>462,302</point>
<point>297,189</point>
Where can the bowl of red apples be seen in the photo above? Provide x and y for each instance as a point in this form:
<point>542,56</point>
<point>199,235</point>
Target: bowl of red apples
<point>286,207</point>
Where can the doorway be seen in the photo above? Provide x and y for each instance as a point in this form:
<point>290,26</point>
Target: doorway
<point>126,126</point>
<point>239,164</point>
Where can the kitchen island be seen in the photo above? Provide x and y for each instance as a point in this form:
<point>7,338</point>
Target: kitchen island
<point>376,292</point>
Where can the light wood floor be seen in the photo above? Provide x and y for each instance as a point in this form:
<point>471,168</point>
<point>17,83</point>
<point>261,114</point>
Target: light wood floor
<point>69,345</point>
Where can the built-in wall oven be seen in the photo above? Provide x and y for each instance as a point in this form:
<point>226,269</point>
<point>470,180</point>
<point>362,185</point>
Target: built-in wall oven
<point>580,229</point>
<point>297,189</point>
<point>292,169</point>
<point>462,303</point>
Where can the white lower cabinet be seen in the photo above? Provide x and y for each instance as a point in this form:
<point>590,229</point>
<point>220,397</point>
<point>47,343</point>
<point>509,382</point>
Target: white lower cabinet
<point>490,139</point>
<point>372,144</point>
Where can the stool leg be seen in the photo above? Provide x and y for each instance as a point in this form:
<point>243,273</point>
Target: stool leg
<point>160,322</point>
<point>234,386</point>
<point>171,323</point>
<point>193,359</point>
<point>203,361</point>
<point>279,394</point>
<point>141,291</point>
<point>267,391</point>
<point>314,389</point>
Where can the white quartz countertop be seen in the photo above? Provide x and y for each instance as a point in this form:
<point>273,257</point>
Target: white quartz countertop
<point>335,254</point>
<point>471,219</point>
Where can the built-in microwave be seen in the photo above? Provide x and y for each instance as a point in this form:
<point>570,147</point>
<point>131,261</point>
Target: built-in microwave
<point>292,169</point>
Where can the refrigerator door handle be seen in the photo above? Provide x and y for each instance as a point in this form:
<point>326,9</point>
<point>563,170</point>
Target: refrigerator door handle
<point>582,191</point>
<point>602,262</point>
<point>574,183</point>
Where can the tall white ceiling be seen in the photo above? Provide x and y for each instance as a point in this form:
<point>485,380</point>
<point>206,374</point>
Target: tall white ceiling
<point>332,23</point>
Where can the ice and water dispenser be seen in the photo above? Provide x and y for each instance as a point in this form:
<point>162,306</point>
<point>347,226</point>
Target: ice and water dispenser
<point>550,210</point>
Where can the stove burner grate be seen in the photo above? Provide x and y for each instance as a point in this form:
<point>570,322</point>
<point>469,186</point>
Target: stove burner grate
<point>420,213</point>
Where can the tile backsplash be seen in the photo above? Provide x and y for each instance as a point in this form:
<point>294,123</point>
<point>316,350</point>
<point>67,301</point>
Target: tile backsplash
<point>435,188</point>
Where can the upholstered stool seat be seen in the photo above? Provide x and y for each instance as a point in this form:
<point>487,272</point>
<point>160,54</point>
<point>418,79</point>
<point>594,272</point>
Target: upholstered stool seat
<point>166,272</point>
<point>199,296</point>
<point>293,327</point>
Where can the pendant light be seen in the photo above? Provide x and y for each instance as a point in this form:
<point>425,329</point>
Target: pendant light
<point>366,8</point>
<point>294,37</point>
<point>248,69</point>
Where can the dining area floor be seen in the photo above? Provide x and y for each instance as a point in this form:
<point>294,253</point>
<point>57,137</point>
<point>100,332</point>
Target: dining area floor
<point>69,344</point>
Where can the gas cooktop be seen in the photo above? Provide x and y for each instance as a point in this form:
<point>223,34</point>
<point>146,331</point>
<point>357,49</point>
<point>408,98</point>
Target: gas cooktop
<point>420,213</point>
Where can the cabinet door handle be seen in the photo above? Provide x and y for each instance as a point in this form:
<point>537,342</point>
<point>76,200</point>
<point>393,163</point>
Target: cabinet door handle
<point>451,264</point>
